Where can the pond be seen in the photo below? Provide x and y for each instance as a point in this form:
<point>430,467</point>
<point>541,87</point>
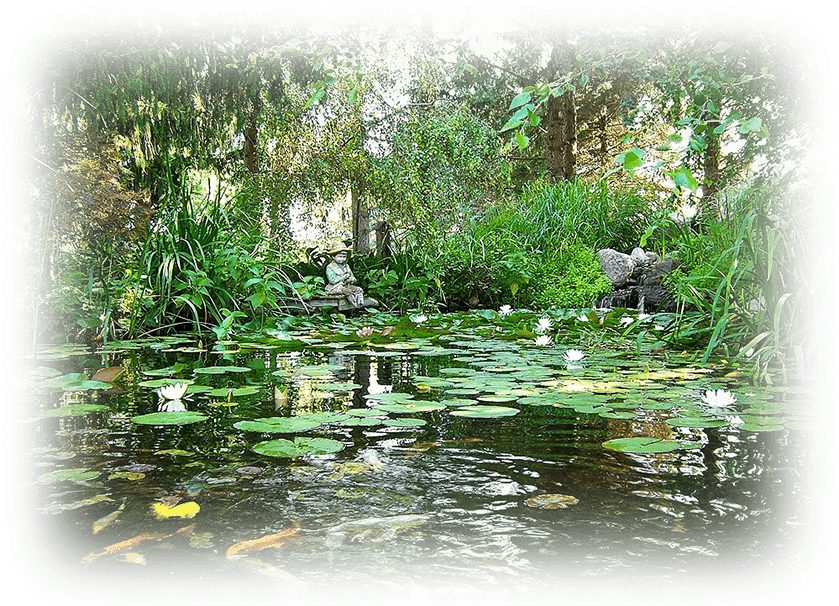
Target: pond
<point>462,455</point>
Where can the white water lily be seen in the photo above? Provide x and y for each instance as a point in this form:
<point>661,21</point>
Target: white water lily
<point>364,332</point>
<point>172,392</point>
<point>544,324</point>
<point>543,340</point>
<point>734,420</point>
<point>505,310</point>
<point>573,355</point>
<point>172,406</point>
<point>719,398</point>
<point>420,319</point>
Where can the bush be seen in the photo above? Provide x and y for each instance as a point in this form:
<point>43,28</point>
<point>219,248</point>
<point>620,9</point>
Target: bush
<point>573,279</point>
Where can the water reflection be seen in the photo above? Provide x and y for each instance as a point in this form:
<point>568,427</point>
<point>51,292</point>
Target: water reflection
<point>447,500</point>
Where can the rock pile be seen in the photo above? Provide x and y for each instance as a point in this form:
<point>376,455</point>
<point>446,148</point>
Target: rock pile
<point>636,280</point>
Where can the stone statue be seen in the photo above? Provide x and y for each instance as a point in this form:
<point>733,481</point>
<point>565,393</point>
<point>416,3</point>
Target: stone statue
<point>340,279</point>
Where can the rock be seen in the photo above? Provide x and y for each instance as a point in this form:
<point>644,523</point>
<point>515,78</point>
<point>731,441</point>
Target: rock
<point>618,266</point>
<point>639,256</point>
<point>657,271</point>
<point>636,280</point>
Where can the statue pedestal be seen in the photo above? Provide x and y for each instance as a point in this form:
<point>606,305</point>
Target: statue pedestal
<point>340,303</point>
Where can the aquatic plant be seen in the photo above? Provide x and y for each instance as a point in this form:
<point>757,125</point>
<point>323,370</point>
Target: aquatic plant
<point>172,392</point>
<point>573,355</point>
<point>719,398</point>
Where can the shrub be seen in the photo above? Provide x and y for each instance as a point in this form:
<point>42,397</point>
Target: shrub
<point>573,279</point>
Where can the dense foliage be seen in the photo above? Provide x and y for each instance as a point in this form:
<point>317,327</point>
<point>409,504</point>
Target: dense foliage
<point>188,180</point>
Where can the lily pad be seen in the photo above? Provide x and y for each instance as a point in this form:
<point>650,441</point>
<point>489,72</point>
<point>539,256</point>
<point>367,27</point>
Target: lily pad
<point>169,418</point>
<point>411,407</point>
<point>220,370</point>
<point>404,422</point>
<point>392,396</point>
<point>646,445</point>
<point>697,422</point>
<point>278,424</point>
<point>361,421</point>
<point>74,410</point>
<point>485,412</point>
<point>236,392</point>
<point>68,475</point>
<point>497,398</point>
<point>300,447</point>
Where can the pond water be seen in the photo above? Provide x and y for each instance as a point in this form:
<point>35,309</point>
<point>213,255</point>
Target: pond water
<point>450,456</point>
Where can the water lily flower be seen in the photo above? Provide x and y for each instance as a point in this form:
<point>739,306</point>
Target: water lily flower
<point>573,355</point>
<point>172,406</point>
<point>544,324</point>
<point>420,318</point>
<point>734,420</point>
<point>365,332</point>
<point>543,340</point>
<point>719,398</point>
<point>172,392</point>
<point>505,310</point>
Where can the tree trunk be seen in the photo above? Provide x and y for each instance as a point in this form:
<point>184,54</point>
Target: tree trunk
<point>561,137</point>
<point>360,218</point>
<point>561,122</point>
<point>250,149</point>
<point>711,164</point>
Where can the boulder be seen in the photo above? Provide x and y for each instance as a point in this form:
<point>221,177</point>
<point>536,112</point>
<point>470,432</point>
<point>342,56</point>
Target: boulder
<point>617,265</point>
<point>636,280</point>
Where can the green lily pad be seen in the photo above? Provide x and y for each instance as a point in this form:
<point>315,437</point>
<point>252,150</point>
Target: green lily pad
<point>646,445</point>
<point>361,421</point>
<point>365,412</point>
<point>220,370</point>
<point>163,382</point>
<point>485,412</point>
<point>392,396</point>
<point>300,447</point>
<point>758,427</point>
<point>236,392</point>
<point>169,418</point>
<point>617,415</point>
<point>411,407</point>
<point>404,422</point>
<point>74,410</point>
<point>455,402</point>
<point>696,422</point>
<point>497,398</point>
<point>76,382</point>
<point>68,475</point>
<point>278,424</point>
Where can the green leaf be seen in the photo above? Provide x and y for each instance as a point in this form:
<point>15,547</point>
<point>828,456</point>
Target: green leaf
<point>278,424</point>
<point>646,445</point>
<point>751,126</point>
<point>520,100</point>
<point>169,418</point>
<point>684,178</point>
<point>630,159</point>
<point>522,140</point>
<point>300,447</point>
